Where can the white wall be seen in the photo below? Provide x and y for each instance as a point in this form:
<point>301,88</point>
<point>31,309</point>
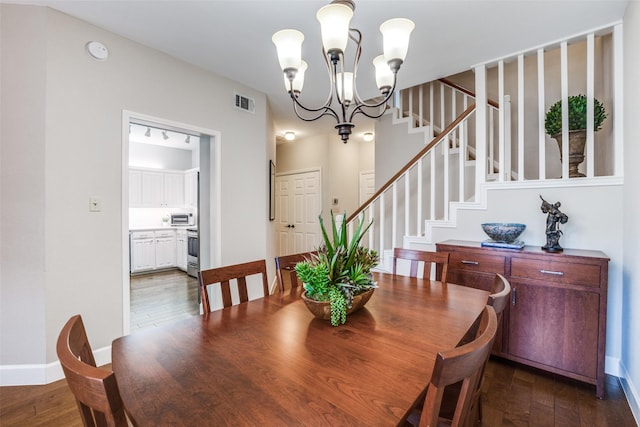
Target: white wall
<point>154,156</point>
<point>394,148</point>
<point>23,198</point>
<point>65,260</point>
<point>631,207</point>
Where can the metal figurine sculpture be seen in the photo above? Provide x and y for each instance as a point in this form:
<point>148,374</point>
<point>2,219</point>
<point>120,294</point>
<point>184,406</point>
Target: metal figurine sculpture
<point>554,218</point>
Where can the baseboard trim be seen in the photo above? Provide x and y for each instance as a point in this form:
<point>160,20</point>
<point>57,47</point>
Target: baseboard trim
<point>631,392</point>
<point>38,374</point>
<point>612,366</point>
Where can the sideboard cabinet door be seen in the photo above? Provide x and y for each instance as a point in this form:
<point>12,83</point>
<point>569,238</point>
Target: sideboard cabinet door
<point>554,326</point>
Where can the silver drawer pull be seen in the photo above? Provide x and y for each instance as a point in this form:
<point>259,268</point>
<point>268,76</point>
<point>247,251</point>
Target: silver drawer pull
<point>464,261</point>
<point>555,273</point>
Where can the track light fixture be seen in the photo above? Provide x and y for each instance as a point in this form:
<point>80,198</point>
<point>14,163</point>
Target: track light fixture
<point>164,135</point>
<point>188,139</point>
<point>334,25</point>
<point>148,133</point>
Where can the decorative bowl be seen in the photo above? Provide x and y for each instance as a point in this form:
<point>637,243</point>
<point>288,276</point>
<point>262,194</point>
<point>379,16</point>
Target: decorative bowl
<point>503,232</point>
<point>322,309</point>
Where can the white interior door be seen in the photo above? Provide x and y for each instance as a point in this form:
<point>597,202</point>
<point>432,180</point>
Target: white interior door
<point>298,204</point>
<point>367,185</point>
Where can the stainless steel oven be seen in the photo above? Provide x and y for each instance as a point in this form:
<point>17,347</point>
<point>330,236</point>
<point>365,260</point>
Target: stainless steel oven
<point>193,250</point>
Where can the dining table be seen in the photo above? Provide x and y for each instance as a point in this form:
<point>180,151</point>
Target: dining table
<point>269,362</point>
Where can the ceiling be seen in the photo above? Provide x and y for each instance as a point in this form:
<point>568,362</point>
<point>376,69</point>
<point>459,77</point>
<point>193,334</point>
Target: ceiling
<point>144,134</point>
<point>232,38</point>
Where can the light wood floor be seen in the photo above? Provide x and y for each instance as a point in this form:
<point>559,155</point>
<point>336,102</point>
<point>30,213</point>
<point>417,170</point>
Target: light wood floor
<point>162,297</point>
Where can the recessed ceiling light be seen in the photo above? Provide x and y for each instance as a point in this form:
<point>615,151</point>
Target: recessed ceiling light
<point>368,136</point>
<point>289,135</point>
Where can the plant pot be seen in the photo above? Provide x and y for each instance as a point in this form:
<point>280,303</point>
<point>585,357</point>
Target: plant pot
<point>322,309</point>
<point>577,139</point>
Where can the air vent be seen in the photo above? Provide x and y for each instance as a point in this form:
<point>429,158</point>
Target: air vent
<point>246,104</point>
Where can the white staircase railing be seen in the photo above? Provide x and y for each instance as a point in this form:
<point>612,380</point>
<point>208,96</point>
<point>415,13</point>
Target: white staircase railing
<point>401,206</point>
<point>467,147</point>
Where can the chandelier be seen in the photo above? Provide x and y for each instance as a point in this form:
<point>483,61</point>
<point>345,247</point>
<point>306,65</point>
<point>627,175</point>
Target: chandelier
<point>334,25</point>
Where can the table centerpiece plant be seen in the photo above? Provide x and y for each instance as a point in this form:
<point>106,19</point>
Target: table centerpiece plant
<point>341,270</point>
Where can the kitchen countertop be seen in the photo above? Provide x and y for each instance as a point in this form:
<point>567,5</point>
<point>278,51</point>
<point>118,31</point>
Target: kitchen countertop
<point>160,227</point>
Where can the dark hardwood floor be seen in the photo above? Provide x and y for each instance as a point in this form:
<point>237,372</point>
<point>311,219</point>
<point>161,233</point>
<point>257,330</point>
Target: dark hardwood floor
<point>513,395</point>
<point>162,297</point>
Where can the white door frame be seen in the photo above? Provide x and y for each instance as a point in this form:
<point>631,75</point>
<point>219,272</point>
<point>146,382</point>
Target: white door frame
<point>214,197</point>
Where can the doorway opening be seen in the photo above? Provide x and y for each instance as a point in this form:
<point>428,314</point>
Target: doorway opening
<point>170,187</point>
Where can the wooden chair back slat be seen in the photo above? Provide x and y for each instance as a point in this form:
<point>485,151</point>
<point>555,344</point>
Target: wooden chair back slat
<point>224,275</point>
<point>441,259</point>
<point>95,389</point>
<point>286,268</point>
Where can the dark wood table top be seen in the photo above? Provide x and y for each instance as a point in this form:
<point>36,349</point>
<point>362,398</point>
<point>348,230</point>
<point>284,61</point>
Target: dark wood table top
<point>269,362</point>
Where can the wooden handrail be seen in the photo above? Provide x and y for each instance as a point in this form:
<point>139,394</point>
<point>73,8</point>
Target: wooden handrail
<point>411,162</point>
<point>467,91</point>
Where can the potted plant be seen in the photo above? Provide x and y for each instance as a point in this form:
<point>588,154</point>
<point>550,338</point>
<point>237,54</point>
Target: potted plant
<point>577,127</point>
<point>338,280</point>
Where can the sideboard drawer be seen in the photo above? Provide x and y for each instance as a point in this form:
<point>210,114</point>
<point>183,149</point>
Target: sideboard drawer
<point>552,271</point>
<point>477,262</point>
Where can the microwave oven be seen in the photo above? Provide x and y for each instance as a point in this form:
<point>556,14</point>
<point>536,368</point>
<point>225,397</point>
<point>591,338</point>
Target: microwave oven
<point>182,219</point>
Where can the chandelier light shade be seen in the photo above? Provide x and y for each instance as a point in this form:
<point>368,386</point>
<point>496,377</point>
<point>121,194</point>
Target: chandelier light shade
<point>395,38</point>
<point>384,75</point>
<point>298,81</point>
<point>289,44</point>
<point>335,28</point>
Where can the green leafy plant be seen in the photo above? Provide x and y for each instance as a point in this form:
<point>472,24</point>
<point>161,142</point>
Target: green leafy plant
<point>340,270</point>
<point>577,115</point>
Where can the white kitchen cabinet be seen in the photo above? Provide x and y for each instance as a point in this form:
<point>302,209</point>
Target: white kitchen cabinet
<point>143,251</point>
<point>154,250</point>
<point>181,249</point>
<point>135,188</point>
<point>156,189</point>
<point>173,195</point>
<point>191,188</point>
<point>165,249</point>
<point>152,189</point>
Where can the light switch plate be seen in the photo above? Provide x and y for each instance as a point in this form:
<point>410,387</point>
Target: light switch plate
<point>95,205</point>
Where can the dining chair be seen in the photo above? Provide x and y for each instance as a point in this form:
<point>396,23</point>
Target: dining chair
<point>426,257</point>
<point>95,389</point>
<point>498,299</point>
<point>462,365</point>
<point>223,276</point>
<point>500,292</point>
<point>286,268</point>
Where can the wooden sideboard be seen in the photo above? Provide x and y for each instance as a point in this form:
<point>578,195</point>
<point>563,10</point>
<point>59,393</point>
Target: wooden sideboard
<point>556,319</point>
